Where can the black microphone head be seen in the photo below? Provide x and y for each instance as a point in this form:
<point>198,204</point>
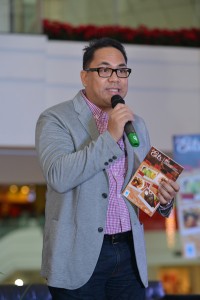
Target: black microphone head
<point>116,99</point>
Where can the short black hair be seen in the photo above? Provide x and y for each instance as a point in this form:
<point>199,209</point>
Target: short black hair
<point>98,44</point>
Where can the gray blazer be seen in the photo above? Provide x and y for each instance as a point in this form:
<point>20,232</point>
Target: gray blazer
<point>74,157</point>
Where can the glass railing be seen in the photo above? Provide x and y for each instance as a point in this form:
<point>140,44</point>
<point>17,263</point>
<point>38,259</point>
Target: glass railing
<point>20,16</point>
<point>21,232</point>
<point>10,225</point>
<point>21,206</point>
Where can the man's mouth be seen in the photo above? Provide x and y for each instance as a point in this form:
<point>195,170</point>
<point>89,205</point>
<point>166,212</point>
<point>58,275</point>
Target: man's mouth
<point>114,90</point>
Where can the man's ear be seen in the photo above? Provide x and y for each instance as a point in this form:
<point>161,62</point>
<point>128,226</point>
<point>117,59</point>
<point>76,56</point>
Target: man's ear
<point>83,75</point>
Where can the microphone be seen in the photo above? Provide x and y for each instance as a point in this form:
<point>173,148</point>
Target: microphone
<point>128,128</point>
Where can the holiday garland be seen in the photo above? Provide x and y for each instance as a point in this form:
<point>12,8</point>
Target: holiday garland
<point>142,35</point>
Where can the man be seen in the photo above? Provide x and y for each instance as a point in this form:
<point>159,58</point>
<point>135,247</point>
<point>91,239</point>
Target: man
<point>93,240</point>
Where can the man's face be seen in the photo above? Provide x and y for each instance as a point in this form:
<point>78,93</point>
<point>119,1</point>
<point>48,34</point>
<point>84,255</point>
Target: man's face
<point>100,90</point>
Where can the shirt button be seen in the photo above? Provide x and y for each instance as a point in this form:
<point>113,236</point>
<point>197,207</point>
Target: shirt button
<point>100,229</point>
<point>110,160</point>
<point>114,157</point>
<point>104,195</point>
<point>106,163</point>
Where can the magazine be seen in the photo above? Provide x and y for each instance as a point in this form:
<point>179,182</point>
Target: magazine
<point>142,189</point>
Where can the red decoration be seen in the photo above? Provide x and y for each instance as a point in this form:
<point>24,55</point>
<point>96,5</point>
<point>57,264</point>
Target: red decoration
<point>56,30</point>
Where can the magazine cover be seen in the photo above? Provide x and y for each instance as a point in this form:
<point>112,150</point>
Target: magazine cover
<point>142,189</point>
<point>187,153</point>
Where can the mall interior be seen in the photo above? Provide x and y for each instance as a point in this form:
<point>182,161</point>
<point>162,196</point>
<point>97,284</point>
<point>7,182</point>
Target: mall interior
<point>36,73</point>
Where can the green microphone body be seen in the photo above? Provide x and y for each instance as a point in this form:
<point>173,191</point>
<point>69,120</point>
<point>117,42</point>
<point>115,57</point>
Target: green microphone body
<point>128,128</point>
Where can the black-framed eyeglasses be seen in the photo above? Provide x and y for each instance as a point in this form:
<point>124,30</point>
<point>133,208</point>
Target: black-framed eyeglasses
<point>107,72</point>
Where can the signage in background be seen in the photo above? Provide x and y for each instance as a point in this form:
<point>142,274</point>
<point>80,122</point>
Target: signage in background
<point>187,153</point>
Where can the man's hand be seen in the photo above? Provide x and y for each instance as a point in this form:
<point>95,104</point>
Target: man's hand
<point>167,191</point>
<point>118,117</point>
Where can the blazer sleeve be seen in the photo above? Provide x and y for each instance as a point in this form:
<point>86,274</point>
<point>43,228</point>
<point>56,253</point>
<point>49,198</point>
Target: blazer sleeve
<point>68,158</point>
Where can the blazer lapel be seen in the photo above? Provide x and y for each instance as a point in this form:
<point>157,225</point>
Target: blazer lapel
<point>85,116</point>
<point>87,120</point>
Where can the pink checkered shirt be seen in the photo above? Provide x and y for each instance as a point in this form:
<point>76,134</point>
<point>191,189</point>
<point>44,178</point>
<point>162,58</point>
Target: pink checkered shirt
<point>118,219</point>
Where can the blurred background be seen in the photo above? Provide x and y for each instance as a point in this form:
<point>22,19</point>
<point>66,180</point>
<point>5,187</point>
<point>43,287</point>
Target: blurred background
<point>34,74</point>
<point>26,15</point>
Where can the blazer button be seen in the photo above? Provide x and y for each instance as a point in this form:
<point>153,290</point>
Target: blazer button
<point>106,163</point>
<point>100,229</point>
<point>110,160</point>
<point>114,157</point>
<point>104,195</point>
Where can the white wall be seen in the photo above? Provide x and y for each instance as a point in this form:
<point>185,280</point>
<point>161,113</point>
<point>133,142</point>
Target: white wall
<point>22,87</point>
<point>164,87</point>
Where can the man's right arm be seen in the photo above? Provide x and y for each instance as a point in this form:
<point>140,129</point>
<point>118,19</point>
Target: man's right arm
<point>63,165</point>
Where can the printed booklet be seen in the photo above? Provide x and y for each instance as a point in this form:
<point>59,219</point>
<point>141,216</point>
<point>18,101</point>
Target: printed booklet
<point>142,189</point>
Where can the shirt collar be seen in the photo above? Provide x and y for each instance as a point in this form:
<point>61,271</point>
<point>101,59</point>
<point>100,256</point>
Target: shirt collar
<point>96,111</point>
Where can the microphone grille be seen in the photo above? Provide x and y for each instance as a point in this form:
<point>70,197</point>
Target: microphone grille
<point>116,99</point>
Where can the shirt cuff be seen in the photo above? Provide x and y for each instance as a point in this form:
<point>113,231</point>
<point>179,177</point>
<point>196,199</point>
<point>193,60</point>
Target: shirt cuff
<point>167,205</point>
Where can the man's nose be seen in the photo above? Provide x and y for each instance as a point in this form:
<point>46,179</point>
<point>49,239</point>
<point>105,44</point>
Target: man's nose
<point>114,76</point>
